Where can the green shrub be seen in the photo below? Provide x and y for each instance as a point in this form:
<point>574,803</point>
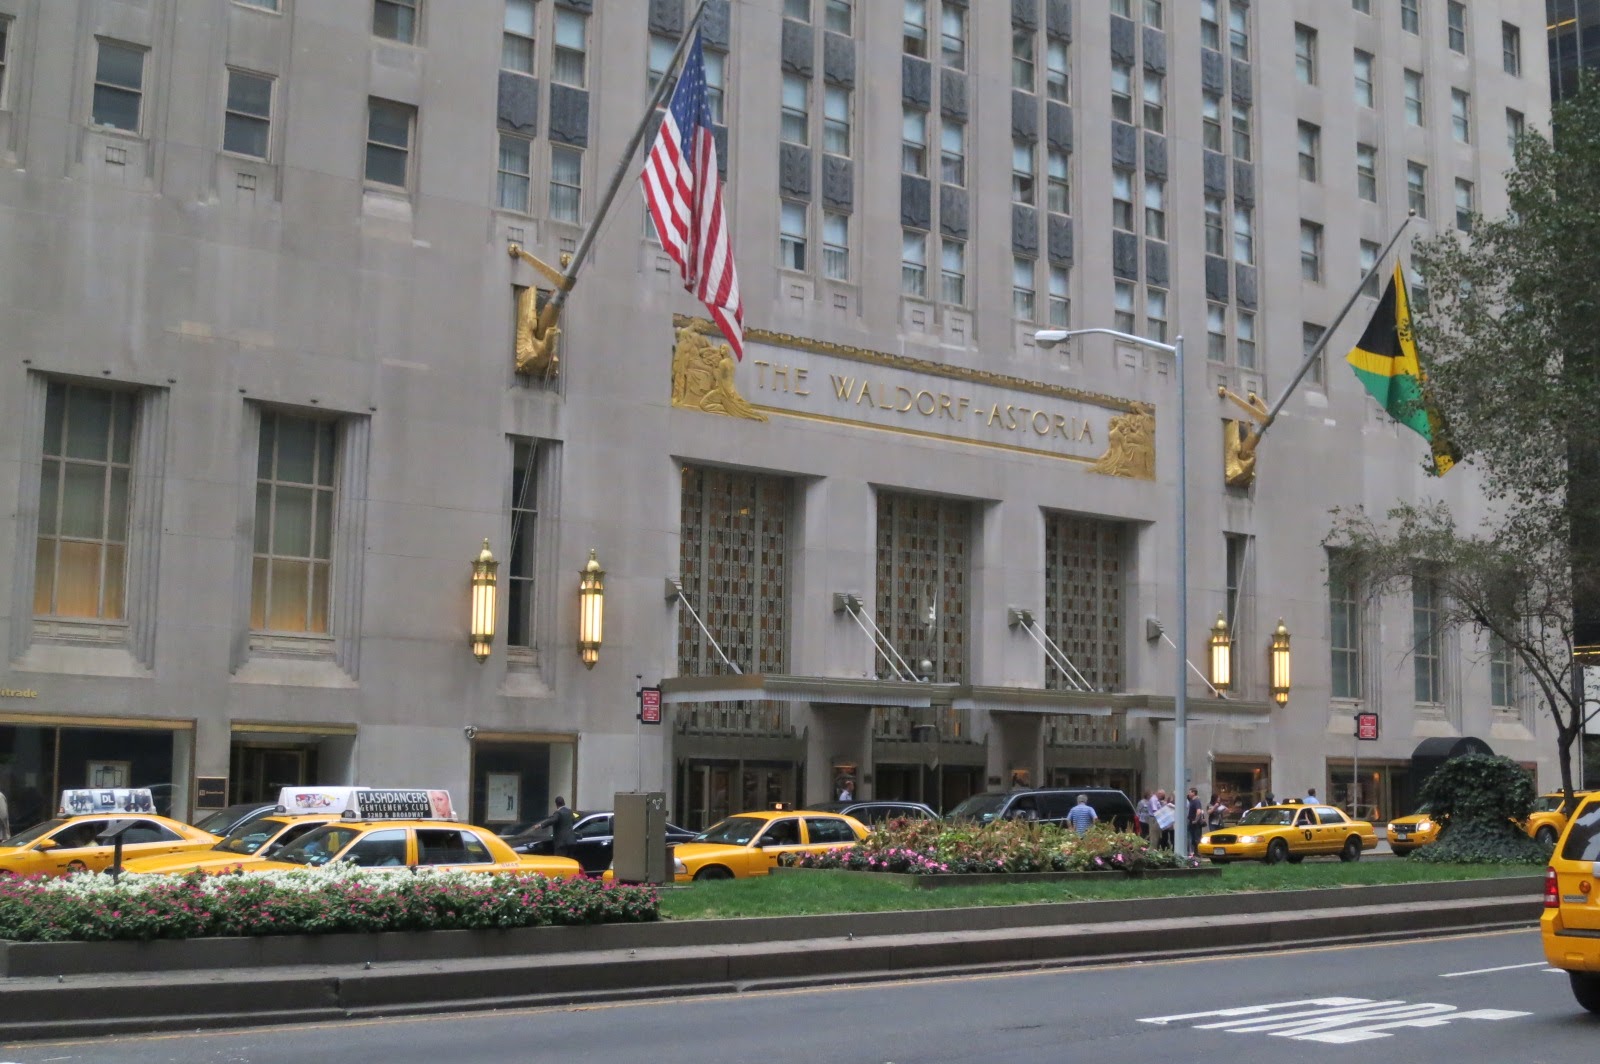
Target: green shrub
<point>1480,787</point>
<point>1472,842</point>
<point>933,847</point>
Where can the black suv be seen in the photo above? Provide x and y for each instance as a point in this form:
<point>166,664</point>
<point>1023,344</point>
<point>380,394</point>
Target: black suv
<point>1047,805</point>
<point>872,811</point>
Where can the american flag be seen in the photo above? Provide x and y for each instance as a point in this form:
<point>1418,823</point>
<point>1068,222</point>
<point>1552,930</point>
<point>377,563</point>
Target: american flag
<point>684,195</point>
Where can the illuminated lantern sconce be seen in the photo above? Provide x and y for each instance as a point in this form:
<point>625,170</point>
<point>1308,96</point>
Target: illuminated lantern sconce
<point>1280,664</point>
<point>1220,646</point>
<point>591,610</point>
<point>483,602</point>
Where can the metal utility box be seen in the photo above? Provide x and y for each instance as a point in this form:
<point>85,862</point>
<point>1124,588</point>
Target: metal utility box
<point>639,831</point>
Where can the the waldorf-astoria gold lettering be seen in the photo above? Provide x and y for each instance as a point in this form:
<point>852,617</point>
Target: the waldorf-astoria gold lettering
<point>799,380</point>
<point>911,399</point>
<point>842,386</point>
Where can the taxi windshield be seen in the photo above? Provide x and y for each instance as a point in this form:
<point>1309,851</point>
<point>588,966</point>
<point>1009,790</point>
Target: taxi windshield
<point>734,831</point>
<point>319,847</point>
<point>1582,842</point>
<point>1546,803</point>
<point>33,833</point>
<point>250,836</point>
<point>1268,817</point>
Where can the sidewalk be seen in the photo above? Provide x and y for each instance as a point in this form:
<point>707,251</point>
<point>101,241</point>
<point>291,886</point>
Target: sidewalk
<point>555,966</point>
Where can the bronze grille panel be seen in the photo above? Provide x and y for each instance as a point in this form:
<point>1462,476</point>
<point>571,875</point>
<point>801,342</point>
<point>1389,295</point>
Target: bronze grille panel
<point>924,567</point>
<point>1084,603</point>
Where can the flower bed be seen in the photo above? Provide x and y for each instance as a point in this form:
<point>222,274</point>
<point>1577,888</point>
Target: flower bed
<point>320,901</point>
<point>928,847</point>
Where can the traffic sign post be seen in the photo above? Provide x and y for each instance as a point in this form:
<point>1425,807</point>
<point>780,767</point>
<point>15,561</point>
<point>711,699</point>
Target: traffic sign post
<point>650,705</point>
<point>1366,730</point>
<point>1366,726</point>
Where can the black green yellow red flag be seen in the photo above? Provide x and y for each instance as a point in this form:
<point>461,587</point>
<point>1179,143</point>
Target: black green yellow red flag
<point>1385,361</point>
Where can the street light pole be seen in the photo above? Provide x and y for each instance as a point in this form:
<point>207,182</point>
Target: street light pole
<point>1180,703</point>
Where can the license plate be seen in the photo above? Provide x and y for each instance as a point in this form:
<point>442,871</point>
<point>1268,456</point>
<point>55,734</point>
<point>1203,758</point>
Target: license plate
<point>1219,849</point>
<point>1399,834</point>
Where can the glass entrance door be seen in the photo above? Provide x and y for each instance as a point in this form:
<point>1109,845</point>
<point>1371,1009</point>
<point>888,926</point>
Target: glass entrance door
<point>260,772</point>
<point>764,786</point>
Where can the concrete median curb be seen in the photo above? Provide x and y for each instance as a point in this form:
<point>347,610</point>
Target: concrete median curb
<point>621,962</point>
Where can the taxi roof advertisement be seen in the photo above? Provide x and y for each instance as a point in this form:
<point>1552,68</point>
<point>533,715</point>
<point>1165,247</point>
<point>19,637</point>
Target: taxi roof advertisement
<point>107,800</point>
<point>369,803</point>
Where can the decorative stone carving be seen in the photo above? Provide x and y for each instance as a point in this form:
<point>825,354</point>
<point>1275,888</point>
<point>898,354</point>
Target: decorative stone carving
<point>702,377</point>
<point>1131,449</point>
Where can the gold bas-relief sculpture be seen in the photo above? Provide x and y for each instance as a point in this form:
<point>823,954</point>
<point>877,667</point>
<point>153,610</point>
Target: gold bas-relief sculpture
<point>702,377</point>
<point>537,333</point>
<point>1239,439</point>
<point>1131,449</point>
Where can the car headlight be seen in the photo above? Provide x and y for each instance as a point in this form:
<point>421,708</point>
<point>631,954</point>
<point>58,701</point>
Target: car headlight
<point>1248,840</point>
<point>1426,825</point>
<point>679,867</point>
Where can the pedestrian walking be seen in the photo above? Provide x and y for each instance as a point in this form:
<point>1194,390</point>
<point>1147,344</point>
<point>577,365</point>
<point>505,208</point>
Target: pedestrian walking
<point>1082,815</point>
<point>847,791</point>
<point>1216,814</point>
<point>560,824</point>
<point>1311,796</point>
<point>5,817</point>
<point>1196,812</point>
<point>1166,821</point>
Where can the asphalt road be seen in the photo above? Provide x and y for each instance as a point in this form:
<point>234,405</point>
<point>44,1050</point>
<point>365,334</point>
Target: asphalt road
<point>1486,997</point>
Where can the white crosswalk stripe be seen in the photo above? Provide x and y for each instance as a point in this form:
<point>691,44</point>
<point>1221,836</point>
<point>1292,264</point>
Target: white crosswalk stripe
<point>1336,1020</point>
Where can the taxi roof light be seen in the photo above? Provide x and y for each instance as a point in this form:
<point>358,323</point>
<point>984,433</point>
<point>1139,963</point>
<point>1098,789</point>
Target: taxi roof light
<point>80,801</point>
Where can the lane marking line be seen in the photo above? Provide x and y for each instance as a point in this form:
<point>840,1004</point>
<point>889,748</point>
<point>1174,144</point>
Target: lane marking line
<point>1502,968</point>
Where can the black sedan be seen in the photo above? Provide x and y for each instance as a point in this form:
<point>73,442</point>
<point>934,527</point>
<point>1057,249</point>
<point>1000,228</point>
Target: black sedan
<point>592,841</point>
<point>874,811</point>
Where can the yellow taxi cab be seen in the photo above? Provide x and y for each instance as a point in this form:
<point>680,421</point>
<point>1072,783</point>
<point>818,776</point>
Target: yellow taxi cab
<point>1546,819</point>
<point>1413,832</point>
<point>377,828</point>
<point>750,844</point>
<point>65,844</point>
<point>1570,926</point>
<point>1290,832</point>
<point>257,835</point>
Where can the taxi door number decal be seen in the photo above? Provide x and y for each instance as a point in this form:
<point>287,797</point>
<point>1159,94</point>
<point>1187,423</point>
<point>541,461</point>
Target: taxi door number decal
<point>1307,834</point>
<point>1337,1020</point>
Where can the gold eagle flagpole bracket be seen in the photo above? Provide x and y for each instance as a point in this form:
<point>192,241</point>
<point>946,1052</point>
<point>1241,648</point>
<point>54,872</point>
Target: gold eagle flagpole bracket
<point>537,332</point>
<point>1239,446</point>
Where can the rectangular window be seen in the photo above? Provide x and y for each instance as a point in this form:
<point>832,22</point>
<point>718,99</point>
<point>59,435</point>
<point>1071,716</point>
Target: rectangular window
<point>1417,188</point>
<point>1239,32</point>
<point>521,567</point>
<point>80,557</point>
<point>247,119</point>
<point>1363,7</point>
<point>1121,91</point>
<point>1216,332</point>
<point>1216,229</point>
<point>515,178</point>
<point>516,40</point>
<point>1122,200</point>
<point>395,20</point>
<point>1236,577</point>
<point>1310,251</point>
<point>265,5</point>
<point>1310,336</point>
<point>1413,82</point>
<point>118,87</point>
<point>1502,673</point>
<point>1155,88</point>
<point>1456,25</point>
<point>796,124</point>
<point>1246,342</point>
<point>953,36</point>
<point>1211,121</point>
<point>5,40</point>
<point>1022,60</point>
<point>914,262</point>
<point>1344,633</point>
<point>1152,13</point>
<point>1057,71</point>
<point>566,184</point>
<point>1461,116</point>
<point>1464,205</point>
<point>571,59</point>
<point>293,540</point>
<point>836,246</point>
<point>389,127</point>
<point>660,57</point>
<point>953,271</point>
<point>1516,125</point>
<point>836,120</point>
<point>914,28</point>
<point>716,77</point>
<point>1409,20</point>
<point>1210,27</point>
<point>1022,289</point>
<point>1022,172</point>
<point>1241,131</point>
<point>1243,235</point>
<point>1059,189</point>
<point>953,152</point>
<point>1369,259</point>
<point>837,17</point>
<point>792,236</point>
<point>1155,314</point>
<point>1310,138</point>
<point>1426,639</point>
<point>798,10</point>
<point>1305,54</point>
<point>914,142</point>
<point>1155,208</point>
<point>1367,172</point>
<point>1511,49</point>
<point>1123,316</point>
<point>1122,7</point>
<point>1060,296</point>
<point>1365,94</point>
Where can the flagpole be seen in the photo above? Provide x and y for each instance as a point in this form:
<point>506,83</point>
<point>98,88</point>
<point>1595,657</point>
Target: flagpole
<point>1248,445</point>
<point>569,275</point>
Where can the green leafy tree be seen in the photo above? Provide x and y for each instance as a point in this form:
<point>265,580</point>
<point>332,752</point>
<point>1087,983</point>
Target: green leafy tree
<point>1509,337</point>
<point>1480,787</point>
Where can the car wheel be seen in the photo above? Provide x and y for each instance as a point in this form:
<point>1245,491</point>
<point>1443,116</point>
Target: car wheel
<point>1296,858</point>
<point>1277,851</point>
<point>1351,851</point>
<point>713,872</point>
<point>75,868</point>
<point>1546,835</point>
<point>1586,988</point>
